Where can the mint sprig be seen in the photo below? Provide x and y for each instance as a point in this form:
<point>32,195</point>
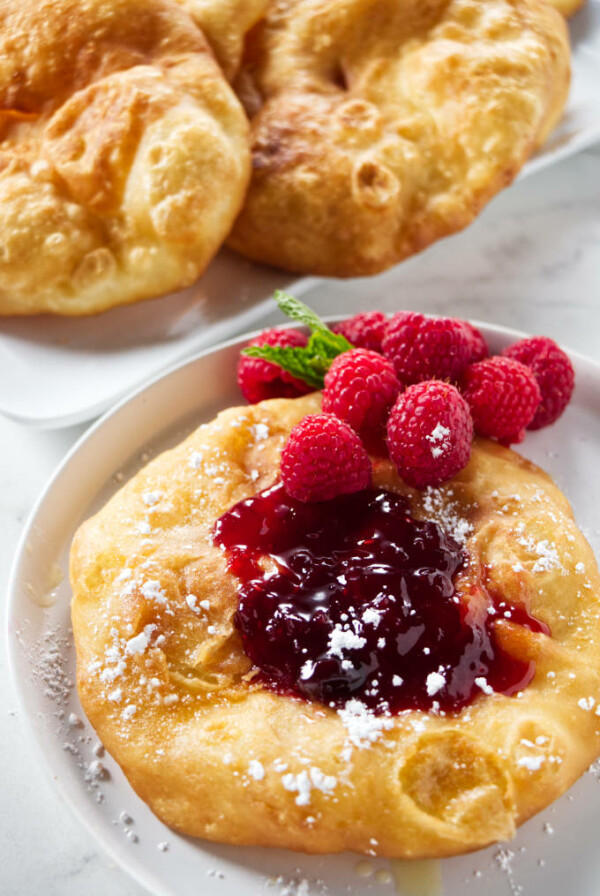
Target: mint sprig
<point>309,363</point>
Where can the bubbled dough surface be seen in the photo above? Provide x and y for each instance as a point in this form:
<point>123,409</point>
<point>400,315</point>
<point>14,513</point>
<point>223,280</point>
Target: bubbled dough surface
<point>428,786</point>
<point>379,126</point>
<point>123,152</point>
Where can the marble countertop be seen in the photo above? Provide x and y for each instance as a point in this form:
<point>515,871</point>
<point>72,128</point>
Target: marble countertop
<point>531,261</point>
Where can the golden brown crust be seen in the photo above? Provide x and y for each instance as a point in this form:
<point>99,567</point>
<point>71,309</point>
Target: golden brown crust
<point>379,127</point>
<point>123,153</point>
<point>225,23</point>
<point>162,675</point>
<point>567,7</point>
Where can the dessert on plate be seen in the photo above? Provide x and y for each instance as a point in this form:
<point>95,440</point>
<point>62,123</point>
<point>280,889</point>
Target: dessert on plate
<point>378,128</point>
<point>124,151</point>
<point>283,641</point>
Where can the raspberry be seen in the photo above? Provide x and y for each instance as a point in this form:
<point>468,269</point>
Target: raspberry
<point>423,348</point>
<point>364,330</point>
<point>429,433</point>
<point>322,458</point>
<point>260,379</point>
<point>554,374</point>
<point>503,396</point>
<point>479,347</point>
<point>360,388</point>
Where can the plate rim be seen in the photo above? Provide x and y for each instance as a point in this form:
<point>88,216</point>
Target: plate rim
<point>225,330</point>
<point>127,862</point>
<point>583,141</point>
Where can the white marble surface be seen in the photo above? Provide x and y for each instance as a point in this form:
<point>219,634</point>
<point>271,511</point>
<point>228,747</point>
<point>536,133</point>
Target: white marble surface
<point>531,261</point>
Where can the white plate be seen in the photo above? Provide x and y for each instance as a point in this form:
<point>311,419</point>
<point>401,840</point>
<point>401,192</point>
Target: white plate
<point>57,372</point>
<point>580,125</point>
<point>42,661</point>
<point>61,371</point>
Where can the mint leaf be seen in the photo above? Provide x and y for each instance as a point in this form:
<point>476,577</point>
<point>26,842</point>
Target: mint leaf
<point>311,362</point>
<point>298,311</point>
<point>295,360</point>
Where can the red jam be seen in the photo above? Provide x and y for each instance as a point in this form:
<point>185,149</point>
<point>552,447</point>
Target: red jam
<point>354,598</point>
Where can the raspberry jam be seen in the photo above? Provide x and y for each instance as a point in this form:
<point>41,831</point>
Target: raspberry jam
<point>354,598</point>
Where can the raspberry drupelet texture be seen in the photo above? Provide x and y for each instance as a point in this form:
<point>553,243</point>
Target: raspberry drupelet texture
<point>554,374</point>
<point>259,379</point>
<point>429,433</point>
<point>360,388</point>
<point>322,458</point>
<point>364,330</point>
<point>479,347</point>
<point>503,395</point>
<point>423,348</point>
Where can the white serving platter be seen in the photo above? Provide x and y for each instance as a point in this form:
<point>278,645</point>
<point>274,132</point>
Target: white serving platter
<point>56,372</point>
<point>61,371</point>
<point>553,854</point>
<point>580,125</point>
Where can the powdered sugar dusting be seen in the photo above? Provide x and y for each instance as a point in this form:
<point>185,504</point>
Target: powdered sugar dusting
<point>307,780</point>
<point>531,763</point>
<point>152,590</point>
<point>297,885</point>
<point>363,726</point>
<point>545,552</point>
<point>439,507</point>
<point>435,682</point>
<point>342,639</point>
<point>256,770</point>
<point>503,858</point>
<point>139,643</point>
<point>50,666</point>
<point>50,656</point>
<point>439,440</point>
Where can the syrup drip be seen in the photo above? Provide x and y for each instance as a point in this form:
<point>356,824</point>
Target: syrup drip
<point>354,598</point>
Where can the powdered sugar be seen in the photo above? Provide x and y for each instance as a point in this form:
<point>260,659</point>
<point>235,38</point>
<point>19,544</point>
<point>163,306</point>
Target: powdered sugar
<point>435,682</point>
<point>586,703</point>
<point>50,657</point>
<point>306,781</point>
<point>341,640</point>
<point>50,666</point>
<point>439,507</point>
<point>503,858</point>
<point>139,643</point>
<point>482,683</point>
<point>439,440</point>
<point>260,431</point>
<point>151,498</point>
<point>256,770</point>
<point>363,726</point>
<point>298,885</point>
<point>531,763</point>
<point>371,616</point>
<point>545,552</point>
<point>153,590</point>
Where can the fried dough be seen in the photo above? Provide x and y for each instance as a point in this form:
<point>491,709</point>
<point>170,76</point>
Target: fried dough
<point>379,126</point>
<point>124,153</point>
<point>567,7</point>
<point>225,23</point>
<point>164,680</point>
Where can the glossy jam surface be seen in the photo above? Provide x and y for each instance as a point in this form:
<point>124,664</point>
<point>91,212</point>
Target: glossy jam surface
<point>354,598</point>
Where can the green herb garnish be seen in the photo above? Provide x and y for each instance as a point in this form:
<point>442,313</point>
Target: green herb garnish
<point>312,362</point>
